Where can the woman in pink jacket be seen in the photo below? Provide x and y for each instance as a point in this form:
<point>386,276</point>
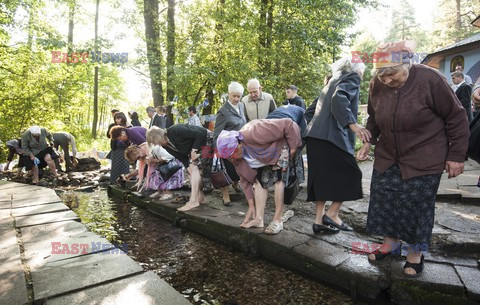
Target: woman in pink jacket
<point>260,152</point>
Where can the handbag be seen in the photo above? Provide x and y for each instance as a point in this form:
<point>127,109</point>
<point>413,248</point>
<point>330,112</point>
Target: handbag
<point>167,170</point>
<point>473,151</point>
<point>220,177</point>
<point>292,187</point>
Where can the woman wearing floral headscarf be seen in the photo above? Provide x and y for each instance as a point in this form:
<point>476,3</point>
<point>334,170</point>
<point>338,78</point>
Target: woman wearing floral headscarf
<point>260,153</point>
<point>419,129</point>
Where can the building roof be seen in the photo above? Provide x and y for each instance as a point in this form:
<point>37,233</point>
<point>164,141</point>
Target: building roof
<point>434,59</point>
<point>476,22</point>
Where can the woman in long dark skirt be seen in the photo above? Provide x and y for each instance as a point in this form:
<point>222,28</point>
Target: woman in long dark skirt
<point>333,174</point>
<point>419,129</point>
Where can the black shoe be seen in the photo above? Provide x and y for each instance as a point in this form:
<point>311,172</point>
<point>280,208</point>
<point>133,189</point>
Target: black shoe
<point>237,188</point>
<point>397,251</point>
<point>227,204</point>
<point>328,221</point>
<point>417,267</point>
<point>324,229</point>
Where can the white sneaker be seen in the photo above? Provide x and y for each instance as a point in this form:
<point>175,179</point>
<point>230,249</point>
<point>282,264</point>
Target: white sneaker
<point>287,215</point>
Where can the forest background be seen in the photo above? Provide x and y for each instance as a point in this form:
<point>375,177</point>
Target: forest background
<point>183,53</point>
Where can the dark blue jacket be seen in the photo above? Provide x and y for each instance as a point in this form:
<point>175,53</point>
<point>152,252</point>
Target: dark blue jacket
<point>336,108</point>
<point>292,112</point>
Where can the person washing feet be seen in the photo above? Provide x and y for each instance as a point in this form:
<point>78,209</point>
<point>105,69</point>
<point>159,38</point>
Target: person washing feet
<point>260,153</point>
<point>192,145</point>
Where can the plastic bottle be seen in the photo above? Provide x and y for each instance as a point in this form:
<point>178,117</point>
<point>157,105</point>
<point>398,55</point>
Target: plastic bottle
<point>283,160</point>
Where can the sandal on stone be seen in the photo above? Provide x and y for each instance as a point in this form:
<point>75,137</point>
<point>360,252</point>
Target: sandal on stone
<point>166,197</point>
<point>156,195</point>
<point>274,227</point>
<point>417,267</point>
<point>382,255</point>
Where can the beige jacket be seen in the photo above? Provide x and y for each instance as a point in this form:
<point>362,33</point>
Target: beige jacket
<point>258,109</point>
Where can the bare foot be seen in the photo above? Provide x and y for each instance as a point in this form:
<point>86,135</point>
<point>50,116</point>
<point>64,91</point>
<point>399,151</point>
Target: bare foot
<point>188,206</point>
<point>255,223</point>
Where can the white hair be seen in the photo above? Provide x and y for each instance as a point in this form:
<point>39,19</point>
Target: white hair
<point>253,83</point>
<point>345,65</point>
<point>235,87</point>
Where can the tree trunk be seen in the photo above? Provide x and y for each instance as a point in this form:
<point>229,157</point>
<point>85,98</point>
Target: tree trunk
<point>71,15</point>
<point>265,35</point>
<point>170,50</point>
<point>458,21</point>
<point>95,84</point>
<point>154,54</point>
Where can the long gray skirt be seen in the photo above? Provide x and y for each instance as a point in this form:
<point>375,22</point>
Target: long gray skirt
<point>403,209</point>
<point>119,164</point>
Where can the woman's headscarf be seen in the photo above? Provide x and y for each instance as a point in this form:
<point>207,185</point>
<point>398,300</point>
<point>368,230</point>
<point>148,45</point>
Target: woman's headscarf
<point>227,142</point>
<point>13,144</point>
<point>392,54</point>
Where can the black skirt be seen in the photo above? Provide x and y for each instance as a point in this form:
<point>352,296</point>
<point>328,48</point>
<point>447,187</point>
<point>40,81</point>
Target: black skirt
<point>333,174</point>
<point>402,209</point>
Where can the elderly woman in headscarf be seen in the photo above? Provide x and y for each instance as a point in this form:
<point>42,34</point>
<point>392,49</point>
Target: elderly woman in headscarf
<point>333,173</point>
<point>192,145</point>
<point>260,152</point>
<point>419,129</point>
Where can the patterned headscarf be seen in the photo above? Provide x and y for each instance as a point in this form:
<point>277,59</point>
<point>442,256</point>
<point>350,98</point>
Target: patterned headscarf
<point>392,54</point>
<point>227,142</point>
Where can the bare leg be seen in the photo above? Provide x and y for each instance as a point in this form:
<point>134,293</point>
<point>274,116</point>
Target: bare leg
<point>319,213</point>
<point>195,186</point>
<point>414,256</point>
<point>225,194</point>
<point>333,211</point>
<point>51,164</point>
<point>250,213</point>
<point>261,196</point>
<point>279,193</point>
<point>35,174</point>
<point>389,244</point>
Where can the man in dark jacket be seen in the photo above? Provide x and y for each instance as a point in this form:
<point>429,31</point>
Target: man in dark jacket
<point>293,98</point>
<point>464,93</point>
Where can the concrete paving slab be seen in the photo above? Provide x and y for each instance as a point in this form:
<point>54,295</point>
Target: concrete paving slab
<point>322,251</point>
<point>468,179</point>
<point>40,209</point>
<point>471,278</point>
<point>369,280</point>
<point>12,277</point>
<point>435,277</point>
<point>33,220</point>
<point>48,232</point>
<point>6,221</point>
<point>470,194</point>
<point>59,248</point>
<point>19,188</point>
<point>43,192</point>
<point>80,272</point>
<point>34,201</point>
<point>146,288</point>
<point>287,239</point>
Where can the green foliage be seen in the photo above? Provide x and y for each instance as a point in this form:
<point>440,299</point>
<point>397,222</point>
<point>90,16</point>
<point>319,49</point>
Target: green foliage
<point>36,91</point>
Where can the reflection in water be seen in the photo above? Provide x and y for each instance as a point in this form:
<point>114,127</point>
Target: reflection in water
<point>206,272</point>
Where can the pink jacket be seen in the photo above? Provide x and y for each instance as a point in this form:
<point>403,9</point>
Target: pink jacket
<point>264,140</point>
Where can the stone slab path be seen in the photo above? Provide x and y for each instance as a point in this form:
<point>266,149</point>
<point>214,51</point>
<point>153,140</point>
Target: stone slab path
<point>451,275</point>
<point>35,228</point>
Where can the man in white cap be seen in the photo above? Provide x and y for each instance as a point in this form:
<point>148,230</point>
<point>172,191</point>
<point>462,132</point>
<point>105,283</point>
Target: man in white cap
<point>39,153</point>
